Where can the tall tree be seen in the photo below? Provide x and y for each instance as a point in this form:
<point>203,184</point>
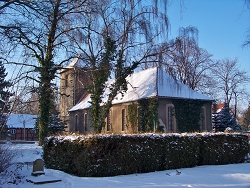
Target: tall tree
<point>230,80</point>
<point>44,29</point>
<point>39,28</point>
<point>119,36</point>
<point>245,119</point>
<point>246,6</point>
<point>47,31</point>
<point>185,61</point>
<point>5,95</point>
<point>4,90</point>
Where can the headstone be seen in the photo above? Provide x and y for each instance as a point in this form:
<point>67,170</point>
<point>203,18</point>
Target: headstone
<point>8,137</point>
<point>38,167</point>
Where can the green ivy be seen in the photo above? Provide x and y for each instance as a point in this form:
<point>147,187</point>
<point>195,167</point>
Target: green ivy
<point>132,115</point>
<point>188,114</point>
<point>148,114</point>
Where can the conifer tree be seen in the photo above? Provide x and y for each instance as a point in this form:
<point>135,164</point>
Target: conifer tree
<point>225,119</point>
<point>4,96</point>
<point>4,85</point>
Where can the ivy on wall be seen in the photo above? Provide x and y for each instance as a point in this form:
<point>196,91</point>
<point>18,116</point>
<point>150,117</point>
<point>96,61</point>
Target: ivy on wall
<point>148,114</point>
<point>188,114</point>
<point>133,116</point>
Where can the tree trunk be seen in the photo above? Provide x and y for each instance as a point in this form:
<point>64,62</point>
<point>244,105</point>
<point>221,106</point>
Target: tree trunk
<point>46,104</point>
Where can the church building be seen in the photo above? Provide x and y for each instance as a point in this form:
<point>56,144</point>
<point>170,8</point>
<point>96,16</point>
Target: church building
<point>154,87</point>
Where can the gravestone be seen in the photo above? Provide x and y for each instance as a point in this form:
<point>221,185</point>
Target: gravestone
<point>38,167</point>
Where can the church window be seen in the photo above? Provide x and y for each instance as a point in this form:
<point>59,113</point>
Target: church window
<point>170,118</point>
<point>123,119</point>
<point>85,121</point>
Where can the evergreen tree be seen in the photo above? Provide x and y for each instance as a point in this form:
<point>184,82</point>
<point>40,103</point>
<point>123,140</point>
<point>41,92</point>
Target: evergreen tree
<point>56,125</point>
<point>4,97</point>
<point>225,119</point>
<point>4,93</point>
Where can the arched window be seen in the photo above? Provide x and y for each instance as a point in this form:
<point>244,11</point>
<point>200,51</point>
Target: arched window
<point>170,118</point>
<point>76,123</point>
<point>85,122</point>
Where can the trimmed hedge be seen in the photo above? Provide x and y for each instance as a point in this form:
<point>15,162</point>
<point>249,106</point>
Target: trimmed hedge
<point>221,149</point>
<point>110,155</point>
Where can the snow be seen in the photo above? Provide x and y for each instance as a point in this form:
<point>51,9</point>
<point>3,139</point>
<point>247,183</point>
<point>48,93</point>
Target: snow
<point>153,82</point>
<point>18,121</point>
<point>77,62</point>
<point>232,175</point>
<point>168,87</point>
<point>83,104</point>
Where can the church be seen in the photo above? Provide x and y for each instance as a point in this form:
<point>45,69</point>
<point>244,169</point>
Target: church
<point>129,114</point>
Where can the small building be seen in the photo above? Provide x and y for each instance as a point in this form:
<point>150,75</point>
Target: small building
<point>154,87</point>
<point>21,127</point>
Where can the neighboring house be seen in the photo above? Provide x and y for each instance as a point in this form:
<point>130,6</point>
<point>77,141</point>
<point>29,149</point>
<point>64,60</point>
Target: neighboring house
<point>153,83</point>
<point>21,127</point>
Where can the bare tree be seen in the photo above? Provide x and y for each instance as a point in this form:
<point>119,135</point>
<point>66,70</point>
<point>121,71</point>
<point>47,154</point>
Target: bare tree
<point>185,61</point>
<point>119,35</point>
<point>45,32</point>
<point>230,80</point>
<point>39,29</point>
<point>26,103</point>
<point>188,62</point>
<point>246,6</point>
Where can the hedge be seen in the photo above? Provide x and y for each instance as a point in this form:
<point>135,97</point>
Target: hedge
<point>110,155</point>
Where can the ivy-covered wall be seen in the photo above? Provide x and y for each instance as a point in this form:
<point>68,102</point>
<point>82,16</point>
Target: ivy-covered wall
<point>148,115</point>
<point>188,114</point>
<point>132,117</point>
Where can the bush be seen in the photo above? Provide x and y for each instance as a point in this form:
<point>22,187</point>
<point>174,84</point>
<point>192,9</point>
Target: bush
<point>222,148</point>
<point>110,155</point>
<point>6,156</point>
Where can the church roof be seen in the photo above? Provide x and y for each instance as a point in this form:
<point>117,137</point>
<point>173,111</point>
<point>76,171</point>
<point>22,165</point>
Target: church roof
<point>76,62</point>
<point>153,82</point>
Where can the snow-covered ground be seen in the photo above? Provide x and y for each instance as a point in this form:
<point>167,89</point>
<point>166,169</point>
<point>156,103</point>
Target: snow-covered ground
<point>233,175</point>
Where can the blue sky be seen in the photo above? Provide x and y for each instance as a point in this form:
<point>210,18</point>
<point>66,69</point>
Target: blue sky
<point>222,26</point>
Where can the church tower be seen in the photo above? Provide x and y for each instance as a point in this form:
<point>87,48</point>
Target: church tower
<point>73,79</point>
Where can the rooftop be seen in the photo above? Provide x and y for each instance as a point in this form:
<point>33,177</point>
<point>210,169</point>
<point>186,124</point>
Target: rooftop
<point>153,82</point>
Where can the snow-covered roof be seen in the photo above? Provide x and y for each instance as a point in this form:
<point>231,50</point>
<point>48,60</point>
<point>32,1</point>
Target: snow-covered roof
<point>83,104</point>
<point>19,120</point>
<point>153,82</point>
<point>76,62</point>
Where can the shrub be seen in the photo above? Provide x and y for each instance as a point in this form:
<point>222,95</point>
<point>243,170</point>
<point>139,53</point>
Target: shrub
<point>222,148</point>
<point>110,155</point>
<point>6,156</point>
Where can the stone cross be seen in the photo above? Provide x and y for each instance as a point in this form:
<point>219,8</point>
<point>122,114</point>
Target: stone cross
<point>38,167</point>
